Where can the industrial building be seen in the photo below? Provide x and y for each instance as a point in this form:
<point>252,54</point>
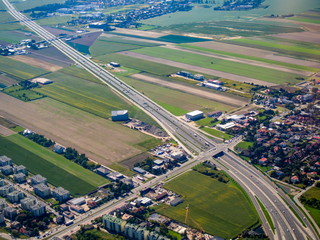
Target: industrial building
<point>225,126</point>
<point>120,115</point>
<point>194,116</point>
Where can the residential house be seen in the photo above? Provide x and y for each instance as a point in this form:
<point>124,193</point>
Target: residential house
<point>42,190</point>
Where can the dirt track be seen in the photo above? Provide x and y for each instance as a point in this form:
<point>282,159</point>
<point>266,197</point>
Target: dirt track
<point>100,139</point>
<point>193,90</point>
<point>255,52</point>
<point>198,69</point>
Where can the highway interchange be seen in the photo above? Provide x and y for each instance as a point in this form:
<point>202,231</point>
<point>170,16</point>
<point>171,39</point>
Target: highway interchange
<point>286,224</point>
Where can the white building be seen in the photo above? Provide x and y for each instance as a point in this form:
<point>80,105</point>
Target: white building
<point>226,126</point>
<point>195,115</point>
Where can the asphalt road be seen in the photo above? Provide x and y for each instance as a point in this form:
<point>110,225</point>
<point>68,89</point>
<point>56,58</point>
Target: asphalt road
<point>287,226</point>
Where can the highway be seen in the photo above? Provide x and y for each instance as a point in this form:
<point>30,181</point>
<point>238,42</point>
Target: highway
<point>287,225</point>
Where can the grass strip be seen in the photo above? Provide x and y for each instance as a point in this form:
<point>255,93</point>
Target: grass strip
<point>266,214</point>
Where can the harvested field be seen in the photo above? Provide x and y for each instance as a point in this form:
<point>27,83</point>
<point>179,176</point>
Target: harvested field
<point>198,69</point>
<point>129,163</point>
<point>51,55</point>
<point>6,131</point>
<point>6,80</point>
<point>36,62</point>
<point>256,52</point>
<point>101,140</point>
<point>87,39</point>
<point>312,37</point>
<point>193,90</point>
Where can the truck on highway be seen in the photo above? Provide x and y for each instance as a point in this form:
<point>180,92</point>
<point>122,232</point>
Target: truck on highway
<point>68,223</point>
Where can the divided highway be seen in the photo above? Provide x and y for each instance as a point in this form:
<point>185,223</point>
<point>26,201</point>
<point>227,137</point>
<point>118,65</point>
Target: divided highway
<point>287,225</point>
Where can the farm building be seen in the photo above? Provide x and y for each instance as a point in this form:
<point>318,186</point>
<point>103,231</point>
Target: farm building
<point>195,115</point>
<point>120,115</point>
<point>213,86</point>
<point>43,81</point>
<point>114,64</point>
<point>198,77</point>
<point>176,201</point>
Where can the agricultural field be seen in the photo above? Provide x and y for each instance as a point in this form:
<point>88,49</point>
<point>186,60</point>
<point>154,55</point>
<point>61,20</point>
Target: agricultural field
<point>58,170</point>
<point>291,50</point>
<point>102,140</point>
<point>109,45</point>
<point>141,65</point>
<point>23,94</point>
<point>18,69</point>
<point>258,59</point>
<point>175,101</point>
<point>256,72</point>
<point>27,4</point>
<point>225,216</point>
<point>88,96</point>
<point>229,28</point>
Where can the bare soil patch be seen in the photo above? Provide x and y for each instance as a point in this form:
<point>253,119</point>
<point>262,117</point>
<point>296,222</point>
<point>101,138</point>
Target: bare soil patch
<point>100,139</point>
<point>198,69</point>
<point>255,52</point>
<point>192,90</point>
<point>51,55</point>
<point>312,37</point>
<point>129,163</point>
<point>6,131</point>
<point>37,63</point>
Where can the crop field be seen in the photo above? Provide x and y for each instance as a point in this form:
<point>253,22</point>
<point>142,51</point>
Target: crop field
<point>54,20</point>
<point>77,73</point>
<point>305,19</point>
<point>174,100</point>
<point>27,4</point>
<point>88,96</point>
<point>19,69</point>
<point>58,170</point>
<point>80,47</point>
<point>256,72</point>
<point>290,50</point>
<point>230,28</point>
<point>23,94</point>
<point>101,140</point>
<point>165,38</point>
<point>218,208</point>
<point>259,59</point>
<point>141,65</point>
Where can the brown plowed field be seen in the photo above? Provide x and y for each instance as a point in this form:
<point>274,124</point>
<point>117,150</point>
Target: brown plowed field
<point>100,139</point>
<point>207,71</point>
<point>37,63</point>
<point>312,37</point>
<point>193,90</point>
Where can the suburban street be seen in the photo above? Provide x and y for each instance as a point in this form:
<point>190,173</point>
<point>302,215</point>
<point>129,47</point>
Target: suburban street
<point>258,186</point>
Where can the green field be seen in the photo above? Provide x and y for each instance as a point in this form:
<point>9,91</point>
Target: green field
<point>115,44</point>
<point>27,4</point>
<point>217,133</point>
<point>18,69</point>
<point>244,145</point>
<point>22,94</point>
<point>218,208</point>
<point>259,59</point>
<point>291,50</point>
<point>315,214</point>
<point>313,192</point>
<point>305,19</point>
<point>89,96</point>
<point>173,100</point>
<point>141,65</point>
<point>58,170</point>
<point>230,28</point>
<point>261,73</point>
<point>54,20</point>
